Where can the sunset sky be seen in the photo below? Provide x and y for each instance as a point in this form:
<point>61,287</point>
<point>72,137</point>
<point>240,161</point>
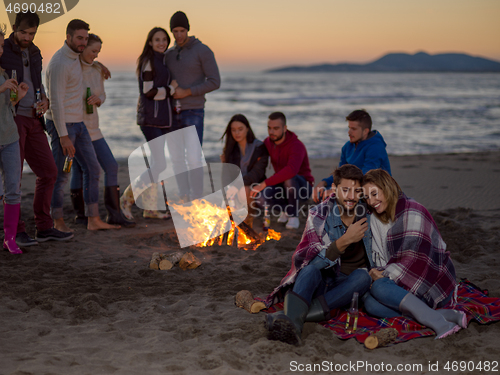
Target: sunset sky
<point>265,34</point>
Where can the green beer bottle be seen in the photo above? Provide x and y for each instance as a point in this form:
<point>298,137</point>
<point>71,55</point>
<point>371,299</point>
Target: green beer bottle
<point>90,107</point>
<point>13,93</point>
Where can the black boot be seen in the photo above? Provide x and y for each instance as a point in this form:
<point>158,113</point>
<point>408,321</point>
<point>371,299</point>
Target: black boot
<point>112,204</point>
<point>287,326</point>
<point>79,206</point>
<point>318,311</point>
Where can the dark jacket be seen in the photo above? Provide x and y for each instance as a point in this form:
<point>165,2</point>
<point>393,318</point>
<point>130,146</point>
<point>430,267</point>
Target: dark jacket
<point>12,59</point>
<point>257,167</point>
<point>150,112</point>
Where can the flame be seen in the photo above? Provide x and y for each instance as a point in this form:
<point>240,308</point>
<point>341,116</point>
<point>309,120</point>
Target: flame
<point>205,219</point>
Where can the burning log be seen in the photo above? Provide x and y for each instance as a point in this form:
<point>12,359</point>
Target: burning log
<point>245,300</point>
<point>249,232</point>
<point>189,261</point>
<point>381,338</point>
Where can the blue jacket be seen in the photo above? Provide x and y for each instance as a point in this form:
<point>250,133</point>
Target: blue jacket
<point>368,154</point>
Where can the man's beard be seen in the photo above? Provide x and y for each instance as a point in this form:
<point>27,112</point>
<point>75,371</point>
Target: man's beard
<point>348,211</point>
<point>22,43</point>
<point>279,138</point>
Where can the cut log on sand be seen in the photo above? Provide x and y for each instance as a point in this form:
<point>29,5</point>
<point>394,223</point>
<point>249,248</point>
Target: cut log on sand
<point>381,338</point>
<point>155,261</point>
<point>170,260</point>
<point>245,300</point>
<point>189,261</point>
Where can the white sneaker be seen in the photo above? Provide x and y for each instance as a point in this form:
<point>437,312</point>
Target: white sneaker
<point>283,218</point>
<point>293,223</point>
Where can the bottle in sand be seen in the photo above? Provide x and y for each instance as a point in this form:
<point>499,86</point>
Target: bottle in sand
<point>13,93</point>
<point>352,315</point>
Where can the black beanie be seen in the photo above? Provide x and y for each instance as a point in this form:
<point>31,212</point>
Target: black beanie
<point>179,19</point>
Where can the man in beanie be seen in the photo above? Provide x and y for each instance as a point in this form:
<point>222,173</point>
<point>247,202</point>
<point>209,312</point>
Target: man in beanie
<point>193,66</point>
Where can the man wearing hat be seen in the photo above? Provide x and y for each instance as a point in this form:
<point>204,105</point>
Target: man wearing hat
<point>193,66</point>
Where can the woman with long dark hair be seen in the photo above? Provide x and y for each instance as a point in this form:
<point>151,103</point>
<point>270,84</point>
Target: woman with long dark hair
<point>154,116</point>
<point>241,148</point>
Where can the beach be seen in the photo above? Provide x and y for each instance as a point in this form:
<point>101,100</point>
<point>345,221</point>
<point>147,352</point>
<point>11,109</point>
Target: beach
<point>92,305</point>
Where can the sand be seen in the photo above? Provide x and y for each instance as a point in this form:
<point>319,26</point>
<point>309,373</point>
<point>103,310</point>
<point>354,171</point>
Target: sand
<point>92,306</point>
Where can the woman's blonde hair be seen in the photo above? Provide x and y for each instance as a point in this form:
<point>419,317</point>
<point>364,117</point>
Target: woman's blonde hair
<point>389,187</point>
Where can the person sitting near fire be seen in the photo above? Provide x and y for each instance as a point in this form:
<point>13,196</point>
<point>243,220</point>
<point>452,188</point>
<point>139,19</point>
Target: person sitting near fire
<point>241,148</point>
<point>330,263</point>
<point>365,149</point>
<point>292,180</point>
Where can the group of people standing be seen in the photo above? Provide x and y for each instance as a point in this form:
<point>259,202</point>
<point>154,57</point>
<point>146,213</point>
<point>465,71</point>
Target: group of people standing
<point>74,90</point>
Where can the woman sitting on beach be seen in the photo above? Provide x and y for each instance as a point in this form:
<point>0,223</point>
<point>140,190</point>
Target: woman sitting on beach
<point>249,154</point>
<point>154,116</point>
<point>413,273</point>
<point>10,155</point>
<point>93,79</point>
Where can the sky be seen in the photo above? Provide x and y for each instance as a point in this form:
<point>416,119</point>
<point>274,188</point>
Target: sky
<point>264,34</point>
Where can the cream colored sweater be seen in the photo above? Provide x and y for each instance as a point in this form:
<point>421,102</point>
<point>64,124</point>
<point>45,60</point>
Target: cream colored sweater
<point>92,78</point>
<point>65,89</point>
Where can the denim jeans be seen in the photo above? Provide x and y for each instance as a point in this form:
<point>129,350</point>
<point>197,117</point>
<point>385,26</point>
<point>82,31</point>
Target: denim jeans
<point>186,154</point>
<point>287,195</point>
<point>384,297</point>
<point>10,170</point>
<point>337,290</point>
<point>106,160</point>
<point>157,161</point>
<point>86,158</point>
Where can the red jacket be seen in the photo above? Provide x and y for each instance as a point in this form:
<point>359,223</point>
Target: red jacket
<point>288,159</point>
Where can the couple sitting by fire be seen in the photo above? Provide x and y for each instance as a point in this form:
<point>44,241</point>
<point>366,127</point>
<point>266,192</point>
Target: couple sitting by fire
<point>292,181</point>
<point>394,257</point>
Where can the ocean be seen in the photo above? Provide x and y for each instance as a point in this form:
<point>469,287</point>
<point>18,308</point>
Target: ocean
<point>417,113</point>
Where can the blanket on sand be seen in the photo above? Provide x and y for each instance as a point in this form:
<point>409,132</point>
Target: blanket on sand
<point>471,299</point>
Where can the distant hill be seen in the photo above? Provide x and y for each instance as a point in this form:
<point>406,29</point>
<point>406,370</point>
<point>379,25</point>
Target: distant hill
<point>403,62</point>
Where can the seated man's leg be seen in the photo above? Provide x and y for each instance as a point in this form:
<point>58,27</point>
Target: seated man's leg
<point>340,294</point>
<point>297,190</point>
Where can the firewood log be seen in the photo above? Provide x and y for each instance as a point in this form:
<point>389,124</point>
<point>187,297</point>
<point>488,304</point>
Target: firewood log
<point>381,338</point>
<point>189,261</point>
<point>245,300</point>
<point>155,261</point>
<point>250,232</point>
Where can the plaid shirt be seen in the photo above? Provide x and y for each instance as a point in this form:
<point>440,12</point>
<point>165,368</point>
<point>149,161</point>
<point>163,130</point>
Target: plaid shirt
<point>315,239</point>
<point>418,260</point>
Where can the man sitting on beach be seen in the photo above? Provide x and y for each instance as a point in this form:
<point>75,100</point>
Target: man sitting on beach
<point>292,180</point>
<point>365,149</point>
<point>330,263</point>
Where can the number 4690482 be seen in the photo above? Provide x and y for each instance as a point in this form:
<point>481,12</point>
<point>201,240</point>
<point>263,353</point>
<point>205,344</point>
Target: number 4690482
<point>32,7</point>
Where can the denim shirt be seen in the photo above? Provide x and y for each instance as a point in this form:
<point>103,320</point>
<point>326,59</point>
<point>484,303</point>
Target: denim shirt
<point>335,229</point>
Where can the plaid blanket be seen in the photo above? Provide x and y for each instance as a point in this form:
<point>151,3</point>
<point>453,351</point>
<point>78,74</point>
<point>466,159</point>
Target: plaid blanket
<point>473,301</point>
<point>419,261</point>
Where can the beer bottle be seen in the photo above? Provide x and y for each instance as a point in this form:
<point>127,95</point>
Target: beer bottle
<point>90,107</point>
<point>38,103</point>
<point>13,93</point>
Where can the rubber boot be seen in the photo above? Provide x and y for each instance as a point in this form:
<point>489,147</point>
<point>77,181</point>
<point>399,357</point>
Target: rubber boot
<point>10,219</point>
<point>418,309</point>
<point>79,206</point>
<point>318,311</point>
<point>454,316</point>
<point>126,202</point>
<point>112,204</point>
<point>287,326</point>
